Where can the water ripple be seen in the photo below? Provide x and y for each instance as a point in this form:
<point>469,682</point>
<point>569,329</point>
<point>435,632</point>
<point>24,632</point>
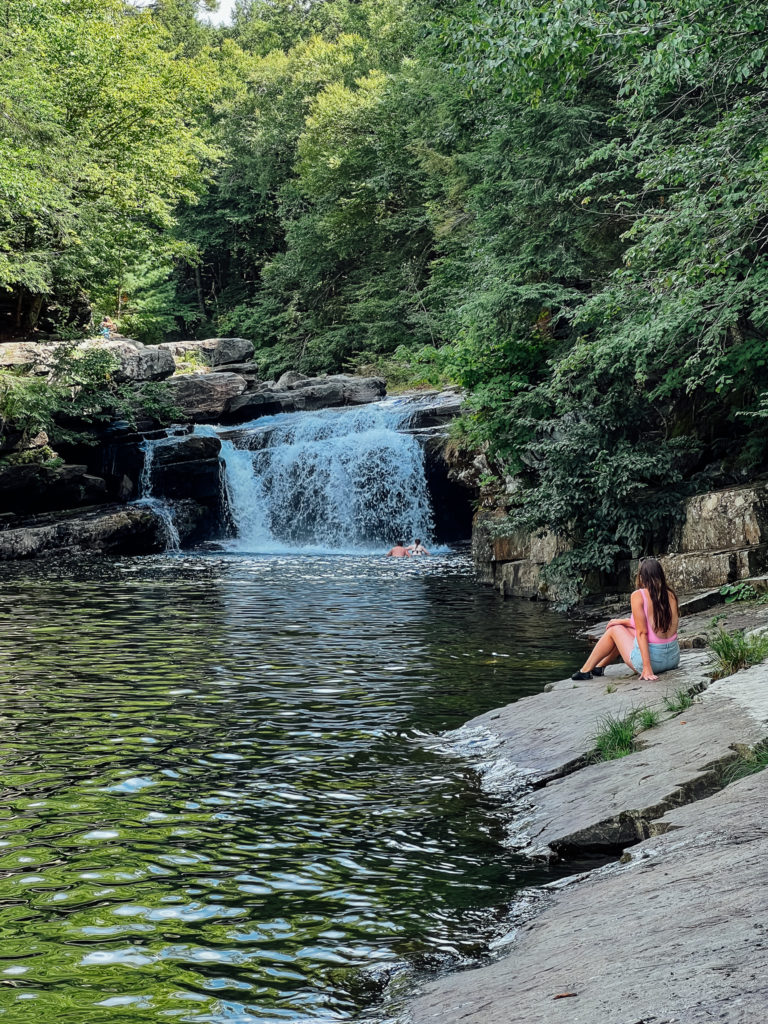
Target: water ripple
<point>216,805</point>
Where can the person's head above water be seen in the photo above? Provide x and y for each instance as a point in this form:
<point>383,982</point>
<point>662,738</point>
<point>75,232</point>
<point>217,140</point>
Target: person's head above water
<point>417,540</point>
<point>650,575</point>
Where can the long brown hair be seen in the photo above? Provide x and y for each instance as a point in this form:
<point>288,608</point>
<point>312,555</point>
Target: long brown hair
<point>650,575</point>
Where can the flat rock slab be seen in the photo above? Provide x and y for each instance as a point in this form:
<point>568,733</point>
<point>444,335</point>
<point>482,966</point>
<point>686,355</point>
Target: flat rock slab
<point>679,934</point>
<point>547,734</point>
<point>613,803</point>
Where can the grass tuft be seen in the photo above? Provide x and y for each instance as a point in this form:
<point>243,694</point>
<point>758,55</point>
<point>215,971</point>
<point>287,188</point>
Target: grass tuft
<point>680,700</point>
<point>750,763</point>
<point>736,650</point>
<point>648,718</point>
<point>615,736</point>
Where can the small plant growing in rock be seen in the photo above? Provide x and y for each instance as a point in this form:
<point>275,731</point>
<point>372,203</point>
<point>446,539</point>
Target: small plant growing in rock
<point>678,701</point>
<point>736,650</point>
<point>615,737</point>
<point>738,592</point>
<point>610,688</point>
<point>648,718</point>
<point>753,761</point>
<point>616,734</point>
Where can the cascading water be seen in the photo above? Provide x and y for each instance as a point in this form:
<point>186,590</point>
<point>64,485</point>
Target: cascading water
<point>338,480</point>
<point>161,508</point>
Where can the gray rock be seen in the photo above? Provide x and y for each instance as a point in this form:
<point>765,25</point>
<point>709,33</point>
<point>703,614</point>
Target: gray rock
<point>203,397</point>
<point>305,395</point>
<point>547,734</point>
<point>675,934</point>
<point>32,488</point>
<point>188,468</point>
<point>689,573</point>
<point>216,351</point>
<point>248,370</point>
<point>291,377</point>
<point>27,355</point>
<point>115,530</point>
<point>138,362</point>
<point>736,517</point>
<point>614,803</point>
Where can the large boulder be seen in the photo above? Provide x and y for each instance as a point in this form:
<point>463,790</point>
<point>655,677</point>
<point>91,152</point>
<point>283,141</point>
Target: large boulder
<point>305,395</point>
<point>214,351</point>
<point>32,488</point>
<point>203,397</point>
<point>736,517</point>
<point>137,362</point>
<point>250,371</point>
<point>113,529</point>
<point>188,469</point>
<point>26,355</point>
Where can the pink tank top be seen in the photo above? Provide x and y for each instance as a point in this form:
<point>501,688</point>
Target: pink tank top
<point>653,638</point>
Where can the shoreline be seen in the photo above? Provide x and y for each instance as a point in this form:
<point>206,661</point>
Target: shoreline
<point>672,929</point>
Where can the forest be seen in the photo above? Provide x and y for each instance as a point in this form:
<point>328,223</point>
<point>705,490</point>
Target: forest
<point>560,205</point>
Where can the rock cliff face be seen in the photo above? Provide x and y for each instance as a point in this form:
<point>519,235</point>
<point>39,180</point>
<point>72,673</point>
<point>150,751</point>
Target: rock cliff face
<point>111,529</point>
<point>722,538</point>
<point>35,488</point>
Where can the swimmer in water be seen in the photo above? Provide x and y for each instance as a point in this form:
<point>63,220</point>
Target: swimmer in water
<point>398,551</point>
<point>417,548</point>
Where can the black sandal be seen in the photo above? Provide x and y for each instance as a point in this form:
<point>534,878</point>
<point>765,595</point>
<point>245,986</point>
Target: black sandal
<point>581,675</point>
<point>598,671</point>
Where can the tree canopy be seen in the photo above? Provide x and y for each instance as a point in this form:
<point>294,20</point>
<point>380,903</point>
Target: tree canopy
<point>562,206</point>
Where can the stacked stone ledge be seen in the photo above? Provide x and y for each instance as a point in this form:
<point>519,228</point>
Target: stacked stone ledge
<point>723,538</point>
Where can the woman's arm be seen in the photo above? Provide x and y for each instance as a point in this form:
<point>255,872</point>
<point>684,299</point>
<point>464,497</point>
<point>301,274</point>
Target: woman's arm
<point>641,625</point>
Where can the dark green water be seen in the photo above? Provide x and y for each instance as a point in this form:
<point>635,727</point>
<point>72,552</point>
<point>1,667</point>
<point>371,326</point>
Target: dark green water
<point>216,805</point>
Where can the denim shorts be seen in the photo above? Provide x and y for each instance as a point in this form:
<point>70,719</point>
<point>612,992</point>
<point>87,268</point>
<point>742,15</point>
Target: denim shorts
<point>663,656</point>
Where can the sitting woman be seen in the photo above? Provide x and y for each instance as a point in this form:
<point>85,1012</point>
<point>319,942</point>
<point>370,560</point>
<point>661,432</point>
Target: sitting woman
<point>648,641</point>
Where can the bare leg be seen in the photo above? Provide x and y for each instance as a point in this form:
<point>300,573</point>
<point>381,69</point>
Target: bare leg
<point>609,658</point>
<point>624,639</point>
<point>604,648</point>
<point>616,640</point>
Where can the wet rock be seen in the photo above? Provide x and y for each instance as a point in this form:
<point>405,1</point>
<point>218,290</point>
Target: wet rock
<point>203,397</point>
<point>305,395</point>
<point>188,469</point>
<point>32,487</point>
<point>112,529</point>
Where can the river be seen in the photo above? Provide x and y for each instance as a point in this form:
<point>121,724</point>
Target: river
<point>219,803</point>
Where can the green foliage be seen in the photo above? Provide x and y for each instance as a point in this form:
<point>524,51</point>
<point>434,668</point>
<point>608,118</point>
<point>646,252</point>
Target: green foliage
<point>732,651</point>
<point>99,143</point>
<point>75,396</point>
<point>738,592</point>
<point>560,206</point>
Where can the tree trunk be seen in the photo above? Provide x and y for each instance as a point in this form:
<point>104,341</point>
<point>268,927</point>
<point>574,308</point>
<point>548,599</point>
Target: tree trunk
<point>199,287</point>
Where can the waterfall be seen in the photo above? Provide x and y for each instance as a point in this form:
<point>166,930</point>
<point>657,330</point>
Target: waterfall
<point>146,498</point>
<point>337,480</point>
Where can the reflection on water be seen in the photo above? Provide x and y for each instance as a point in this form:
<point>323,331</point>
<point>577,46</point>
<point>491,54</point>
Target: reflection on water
<point>215,805</point>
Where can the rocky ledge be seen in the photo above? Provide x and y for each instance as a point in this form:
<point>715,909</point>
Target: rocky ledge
<point>672,932</point>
